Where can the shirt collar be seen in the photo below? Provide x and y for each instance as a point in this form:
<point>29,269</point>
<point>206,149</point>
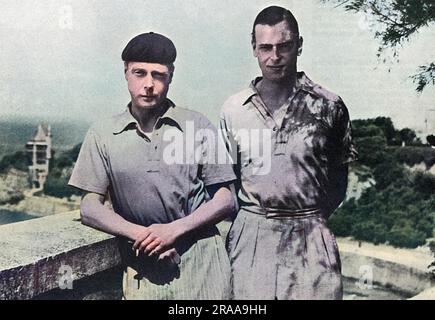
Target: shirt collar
<point>302,83</point>
<point>126,120</point>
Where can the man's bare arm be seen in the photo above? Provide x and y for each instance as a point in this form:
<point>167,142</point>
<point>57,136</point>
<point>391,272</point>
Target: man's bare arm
<point>163,236</point>
<point>96,215</point>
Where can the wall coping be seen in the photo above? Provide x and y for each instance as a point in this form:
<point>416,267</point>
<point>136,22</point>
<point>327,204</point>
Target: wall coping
<point>32,262</point>
<point>29,267</point>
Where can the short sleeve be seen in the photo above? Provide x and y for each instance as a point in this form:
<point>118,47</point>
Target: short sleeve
<point>227,137</point>
<point>345,148</point>
<point>90,172</point>
<point>216,165</point>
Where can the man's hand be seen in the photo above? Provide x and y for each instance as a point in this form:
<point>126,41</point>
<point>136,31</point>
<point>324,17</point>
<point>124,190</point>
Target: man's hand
<point>157,238</point>
<point>172,255</point>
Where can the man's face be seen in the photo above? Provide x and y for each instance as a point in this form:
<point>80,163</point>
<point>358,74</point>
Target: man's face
<point>276,49</point>
<point>148,83</point>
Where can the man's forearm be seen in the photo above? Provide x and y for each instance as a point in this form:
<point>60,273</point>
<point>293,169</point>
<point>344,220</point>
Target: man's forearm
<point>217,209</point>
<point>96,215</point>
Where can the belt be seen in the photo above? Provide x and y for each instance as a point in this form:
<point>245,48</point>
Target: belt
<point>278,213</point>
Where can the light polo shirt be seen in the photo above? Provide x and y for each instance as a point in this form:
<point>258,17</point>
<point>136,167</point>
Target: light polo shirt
<point>151,179</point>
<point>286,162</point>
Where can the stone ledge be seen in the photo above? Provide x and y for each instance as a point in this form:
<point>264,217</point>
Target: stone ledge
<point>32,253</point>
<point>398,277</point>
<point>29,267</point>
<point>402,270</point>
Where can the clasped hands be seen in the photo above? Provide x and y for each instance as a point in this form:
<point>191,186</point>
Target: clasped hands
<point>158,239</point>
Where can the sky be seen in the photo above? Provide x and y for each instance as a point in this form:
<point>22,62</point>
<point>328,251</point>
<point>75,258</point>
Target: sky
<point>60,59</point>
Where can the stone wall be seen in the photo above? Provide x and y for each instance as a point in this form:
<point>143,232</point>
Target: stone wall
<point>40,255</point>
<point>397,277</point>
<point>37,255</point>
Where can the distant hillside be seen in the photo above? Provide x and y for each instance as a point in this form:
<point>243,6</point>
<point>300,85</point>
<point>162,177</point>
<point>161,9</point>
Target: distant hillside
<point>14,133</point>
<point>396,205</point>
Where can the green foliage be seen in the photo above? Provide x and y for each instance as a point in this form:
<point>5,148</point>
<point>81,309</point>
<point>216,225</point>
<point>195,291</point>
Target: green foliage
<point>364,129</point>
<point>374,137</point>
<point>341,223</point>
<point>18,160</point>
<point>409,137</point>
<point>74,152</point>
<point>383,123</point>
<point>394,23</point>
<point>387,127</point>
<point>370,231</point>
<point>398,215</point>
<point>60,171</point>
<point>383,127</point>
<point>400,208</point>
<point>389,172</point>
<point>424,184</point>
<point>403,234</point>
<point>415,155</point>
<point>424,76</point>
<point>58,187</point>
<point>371,150</point>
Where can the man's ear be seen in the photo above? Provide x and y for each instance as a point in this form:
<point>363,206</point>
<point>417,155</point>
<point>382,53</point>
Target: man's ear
<point>301,42</point>
<point>171,74</point>
<point>125,69</point>
<point>254,52</point>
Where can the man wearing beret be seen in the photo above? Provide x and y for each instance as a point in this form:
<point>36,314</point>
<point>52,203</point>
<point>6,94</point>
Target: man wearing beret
<point>163,208</point>
<point>279,244</point>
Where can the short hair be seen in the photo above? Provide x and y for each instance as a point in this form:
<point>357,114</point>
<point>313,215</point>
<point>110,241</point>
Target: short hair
<point>271,16</point>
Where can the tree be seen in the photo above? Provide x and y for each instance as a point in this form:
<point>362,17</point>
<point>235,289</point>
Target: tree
<point>60,171</point>
<point>396,22</point>
<point>74,152</point>
<point>370,231</point>
<point>364,128</point>
<point>371,150</point>
<point>386,124</point>
<point>344,218</point>
<point>370,130</point>
<point>403,234</point>
<point>424,183</point>
<point>409,137</point>
<point>19,160</point>
<point>388,172</point>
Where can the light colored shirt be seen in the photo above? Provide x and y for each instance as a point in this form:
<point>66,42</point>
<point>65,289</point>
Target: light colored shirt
<point>155,178</point>
<point>287,163</point>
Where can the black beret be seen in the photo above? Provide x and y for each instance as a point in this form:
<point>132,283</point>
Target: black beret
<point>150,47</point>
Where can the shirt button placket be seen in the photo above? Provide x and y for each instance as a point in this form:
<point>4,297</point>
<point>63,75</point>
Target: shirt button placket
<point>154,159</point>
